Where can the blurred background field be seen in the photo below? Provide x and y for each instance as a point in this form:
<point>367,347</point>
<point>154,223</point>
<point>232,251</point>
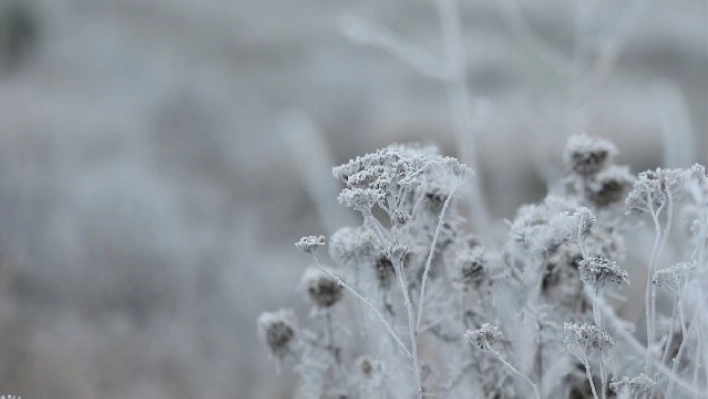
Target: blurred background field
<point>153,179</point>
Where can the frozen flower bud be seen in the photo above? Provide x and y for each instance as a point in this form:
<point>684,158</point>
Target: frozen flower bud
<point>485,337</point>
<point>360,199</point>
<point>636,387</point>
<point>586,155</point>
<point>310,244</point>
<point>322,289</point>
<point>676,277</point>
<point>609,186</point>
<point>600,271</point>
<point>588,337</point>
<point>277,329</point>
<point>353,246</point>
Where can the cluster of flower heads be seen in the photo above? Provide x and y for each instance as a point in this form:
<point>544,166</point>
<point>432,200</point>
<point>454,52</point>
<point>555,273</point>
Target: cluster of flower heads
<point>588,337</point>
<point>485,337</point>
<point>570,240</point>
<point>387,175</point>
<point>600,271</point>
<point>636,386</point>
<point>675,278</point>
<point>591,162</point>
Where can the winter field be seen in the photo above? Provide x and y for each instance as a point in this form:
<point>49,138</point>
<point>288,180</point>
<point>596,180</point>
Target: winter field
<point>159,159</point>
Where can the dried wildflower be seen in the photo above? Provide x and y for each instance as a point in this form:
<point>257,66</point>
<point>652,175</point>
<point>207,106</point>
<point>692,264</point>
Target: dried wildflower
<point>310,244</point>
<point>600,271</point>
<point>637,386</point>
<point>587,336</point>
<point>675,277</point>
<point>471,263</point>
<point>587,156</point>
<point>360,199</point>
<point>353,246</point>
<point>485,337</point>
<point>321,288</point>
<point>652,188</point>
<point>277,329</point>
<point>609,186</point>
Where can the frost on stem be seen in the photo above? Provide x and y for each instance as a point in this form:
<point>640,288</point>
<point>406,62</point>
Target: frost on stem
<point>636,386</point>
<point>277,329</point>
<point>586,156</point>
<point>485,337</point>
<point>587,337</point>
<point>675,277</point>
<point>353,246</point>
<point>599,271</point>
<point>323,290</point>
<point>310,244</point>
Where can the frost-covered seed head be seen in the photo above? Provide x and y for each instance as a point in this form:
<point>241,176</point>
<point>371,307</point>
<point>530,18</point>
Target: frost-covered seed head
<point>353,246</point>
<point>472,263</point>
<point>360,199</point>
<point>675,277</point>
<point>586,155</point>
<point>637,386</point>
<point>587,336</point>
<point>600,271</point>
<point>310,244</point>
<point>323,290</point>
<point>485,337</point>
<point>277,329</point>
<point>652,188</point>
<point>609,186</point>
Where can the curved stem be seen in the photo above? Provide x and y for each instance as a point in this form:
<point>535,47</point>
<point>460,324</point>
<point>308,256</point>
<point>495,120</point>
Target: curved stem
<point>426,272</point>
<point>367,302</point>
<point>520,374</point>
<point>398,266</point>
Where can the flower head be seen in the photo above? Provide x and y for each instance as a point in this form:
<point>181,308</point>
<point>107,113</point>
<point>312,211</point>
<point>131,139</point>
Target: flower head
<point>675,277</point>
<point>609,186</point>
<point>310,244</point>
<point>586,156</point>
<point>588,337</point>
<point>277,329</point>
<point>322,289</point>
<point>485,337</point>
<point>600,271</point>
<point>353,246</point>
<point>637,386</point>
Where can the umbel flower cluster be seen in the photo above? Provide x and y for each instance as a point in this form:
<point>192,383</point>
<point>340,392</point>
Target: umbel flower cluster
<point>412,304</point>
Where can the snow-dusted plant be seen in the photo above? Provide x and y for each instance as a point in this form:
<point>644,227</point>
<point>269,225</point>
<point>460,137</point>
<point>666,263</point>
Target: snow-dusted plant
<point>415,306</point>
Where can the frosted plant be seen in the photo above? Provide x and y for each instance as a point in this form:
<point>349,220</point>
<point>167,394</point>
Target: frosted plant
<point>634,388</point>
<point>414,287</point>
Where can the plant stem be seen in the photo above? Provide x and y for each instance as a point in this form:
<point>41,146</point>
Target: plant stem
<point>426,272</point>
<point>367,302</point>
<point>520,374</point>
